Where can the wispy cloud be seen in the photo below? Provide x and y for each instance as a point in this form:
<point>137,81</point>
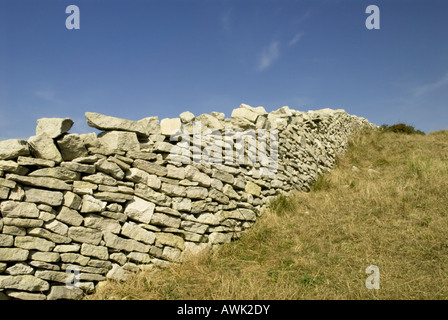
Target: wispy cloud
<point>295,39</point>
<point>427,88</point>
<point>225,20</point>
<point>48,95</point>
<point>268,56</point>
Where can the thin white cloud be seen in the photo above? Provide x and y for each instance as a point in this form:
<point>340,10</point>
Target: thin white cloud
<point>225,20</point>
<point>269,55</point>
<point>48,95</point>
<point>427,88</point>
<point>296,39</point>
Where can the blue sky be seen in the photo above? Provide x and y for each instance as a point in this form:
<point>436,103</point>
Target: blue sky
<point>139,58</point>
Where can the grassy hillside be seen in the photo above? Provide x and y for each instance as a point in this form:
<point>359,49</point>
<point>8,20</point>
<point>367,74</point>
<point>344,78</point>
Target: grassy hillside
<point>390,211</point>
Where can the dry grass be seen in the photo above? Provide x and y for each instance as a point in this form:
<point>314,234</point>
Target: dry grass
<point>317,245</point>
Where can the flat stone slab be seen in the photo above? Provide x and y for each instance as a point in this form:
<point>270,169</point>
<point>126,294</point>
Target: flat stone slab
<point>103,122</point>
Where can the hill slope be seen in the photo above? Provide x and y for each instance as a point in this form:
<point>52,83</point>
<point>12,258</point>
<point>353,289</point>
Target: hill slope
<point>390,210</point>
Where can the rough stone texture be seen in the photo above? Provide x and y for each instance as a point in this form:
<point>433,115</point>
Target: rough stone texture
<point>170,126</point>
<point>42,146</point>
<point>23,282</point>
<point>72,147</point>
<point>140,210</point>
<point>13,148</point>
<point>121,202</point>
<point>103,122</point>
<point>53,127</point>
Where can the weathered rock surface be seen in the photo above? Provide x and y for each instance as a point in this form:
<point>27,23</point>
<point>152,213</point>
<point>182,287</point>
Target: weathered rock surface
<point>53,127</point>
<point>119,202</point>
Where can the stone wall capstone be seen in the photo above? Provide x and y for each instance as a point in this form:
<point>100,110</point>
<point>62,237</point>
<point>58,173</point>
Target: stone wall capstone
<point>77,209</point>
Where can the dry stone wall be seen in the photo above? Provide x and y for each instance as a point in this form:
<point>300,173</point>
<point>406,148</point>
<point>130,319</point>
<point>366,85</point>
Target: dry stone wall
<point>77,209</point>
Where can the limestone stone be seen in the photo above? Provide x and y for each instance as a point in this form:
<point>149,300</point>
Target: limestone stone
<point>13,148</point>
<point>119,141</point>
<point>4,193</point>
<point>26,295</point>
<point>8,166</point>
<point>100,178</point>
<point>118,257</point>
<point>139,257</point>
<point>42,182</point>
<point>160,219</point>
<point>151,168</point>
<point>128,245</point>
<point>23,222</point>
<point>175,172</point>
<point>19,268</point>
<point>181,204</point>
<point>172,254</point>
<point>223,176</point>
<point>230,192</point>
<point>46,234</point>
<point>252,188</point>
<point>42,146</point>
<point>173,190</point>
<point>140,210</point>
<point>151,125</point>
<point>209,121</point>
<point>33,243</point>
<point>104,224</point>
<point>240,214</point>
<point>72,200</point>
<point>79,167</point>
<point>196,192</point>
<point>7,183</point>
<point>113,196</point>
<point>45,256</point>
<point>211,219</point>
<point>57,173</point>
<point>122,164</point>
<point>219,237</point>
<point>144,155</point>
<point>91,205</point>
<point>110,168</point>
<point>85,235</point>
<point>139,176</point>
<point>162,146</point>
<point>170,126</point>
<point>57,227</point>
<point>62,292</point>
<point>24,282</point>
<point>258,110</point>
<point>6,240</point>
<point>193,174</point>
<point>218,115</point>
<point>186,117</point>
<point>70,216</point>
<point>136,232</point>
<point>67,248</point>
<point>194,227</point>
<point>244,113</point>
<point>104,122</point>
<point>13,254</point>
<point>170,240</point>
<point>99,252</point>
<point>53,127</point>
<point>71,257</point>
<point>118,273</point>
<point>147,193</point>
<point>72,147</point>
<point>218,196</point>
<point>51,198</point>
<point>14,209</point>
